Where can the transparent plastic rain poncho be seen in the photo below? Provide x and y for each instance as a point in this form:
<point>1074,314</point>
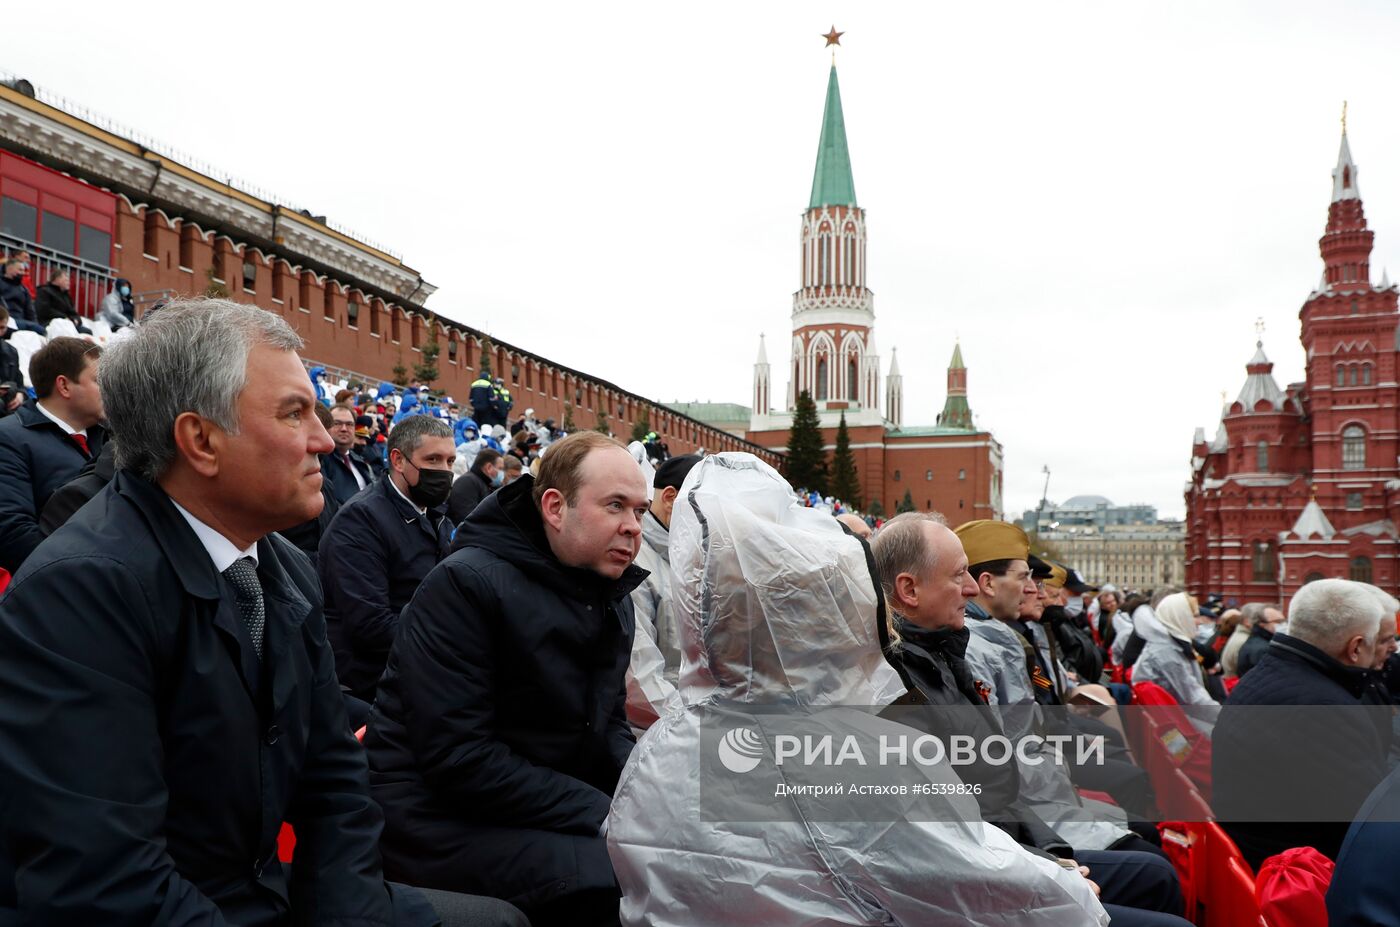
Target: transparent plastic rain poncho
<point>777,607</point>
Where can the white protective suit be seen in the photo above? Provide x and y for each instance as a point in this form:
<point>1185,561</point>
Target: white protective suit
<point>654,667</point>
<point>776,607</point>
<point>997,657</point>
<point>1164,662</point>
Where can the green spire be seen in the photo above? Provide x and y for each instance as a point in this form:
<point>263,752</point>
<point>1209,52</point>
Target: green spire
<point>832,184</point>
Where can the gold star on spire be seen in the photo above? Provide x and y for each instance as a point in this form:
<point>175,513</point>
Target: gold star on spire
<point>833,37</point>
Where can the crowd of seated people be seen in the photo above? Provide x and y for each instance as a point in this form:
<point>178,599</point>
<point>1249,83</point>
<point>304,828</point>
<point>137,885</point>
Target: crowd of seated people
<point>216,587</point>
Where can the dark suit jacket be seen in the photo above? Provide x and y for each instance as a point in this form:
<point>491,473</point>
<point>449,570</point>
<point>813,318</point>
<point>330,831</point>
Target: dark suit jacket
<point>148,760</point>
<point>339,477</point>
<point>75,493</point>
<point>372,559</point>
<point>36,458</point>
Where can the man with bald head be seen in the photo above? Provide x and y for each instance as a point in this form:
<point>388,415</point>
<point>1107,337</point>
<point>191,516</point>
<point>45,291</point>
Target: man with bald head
<point>500,729</point>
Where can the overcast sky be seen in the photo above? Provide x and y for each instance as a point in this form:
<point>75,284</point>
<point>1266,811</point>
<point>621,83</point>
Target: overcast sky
<point>1098,198</point>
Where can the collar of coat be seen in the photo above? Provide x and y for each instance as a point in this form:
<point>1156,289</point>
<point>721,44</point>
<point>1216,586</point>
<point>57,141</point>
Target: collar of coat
<point>657,537</point>
<point>186,554</point>
<point>30,417</point>
<point>508,525</point>
<point>945,641</point>
<point>1351,678</point>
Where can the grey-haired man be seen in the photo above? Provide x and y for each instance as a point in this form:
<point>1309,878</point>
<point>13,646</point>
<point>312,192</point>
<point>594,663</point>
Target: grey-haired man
<point>170,696</point>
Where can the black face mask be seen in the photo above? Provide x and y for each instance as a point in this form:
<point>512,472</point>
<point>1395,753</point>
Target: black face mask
<point>433,487</point>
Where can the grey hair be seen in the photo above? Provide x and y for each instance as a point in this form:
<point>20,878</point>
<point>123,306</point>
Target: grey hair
<point>1388,602</point>
<point>1253,612</point>
<point>1162,593</point>
<point>1326,612</point>
<point>901,547</point>
<point>408,434</point>
<point>192,356</point>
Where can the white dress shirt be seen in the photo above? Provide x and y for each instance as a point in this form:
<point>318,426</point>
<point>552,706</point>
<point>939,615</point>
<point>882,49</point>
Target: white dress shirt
<point>67,428</point>
<point>220,549</point>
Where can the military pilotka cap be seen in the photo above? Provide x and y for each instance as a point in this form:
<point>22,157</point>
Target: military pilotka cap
<point>985,540</point>
<point>672,473</point>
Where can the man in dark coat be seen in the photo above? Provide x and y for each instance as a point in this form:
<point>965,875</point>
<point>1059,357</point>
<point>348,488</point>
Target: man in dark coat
<point>1364,891</point>
<point>380,546</point>
<point>475,485</point>
<point>52,301</point>
<point>500,730</point>
<point>923,571</point>
<point>1258,643</point>
<point>170,697</point>
<point>346,472</point>
<point>482,392</point>
<point>46,443</point>
<point>1291,775</point>
<point>16,297</point>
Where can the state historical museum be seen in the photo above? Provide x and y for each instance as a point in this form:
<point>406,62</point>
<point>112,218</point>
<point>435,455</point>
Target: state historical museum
<point>1301,483</point>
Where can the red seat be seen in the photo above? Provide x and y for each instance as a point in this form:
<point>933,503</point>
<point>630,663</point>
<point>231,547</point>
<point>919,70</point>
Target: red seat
<point>1169,741</point>
<point>1229,901</point>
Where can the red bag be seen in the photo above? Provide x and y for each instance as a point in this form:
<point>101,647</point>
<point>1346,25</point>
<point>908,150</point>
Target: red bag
<point>1291,888</point>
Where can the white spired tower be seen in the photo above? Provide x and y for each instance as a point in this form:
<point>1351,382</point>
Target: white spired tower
<point>833,311</point>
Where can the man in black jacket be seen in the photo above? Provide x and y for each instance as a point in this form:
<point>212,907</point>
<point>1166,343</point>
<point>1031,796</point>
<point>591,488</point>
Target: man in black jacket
<point>381,544</point>
<point>46,443</point>
<point>9,356</point>
<point>53,301</point>
<point>476,484</point>
<point>1294,752</point>
<point>500,729</point>
<point>170,697</point>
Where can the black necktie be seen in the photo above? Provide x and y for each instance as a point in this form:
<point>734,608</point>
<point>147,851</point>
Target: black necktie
<point>244,576</point>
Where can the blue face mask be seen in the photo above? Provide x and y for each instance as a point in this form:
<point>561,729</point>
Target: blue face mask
<point>126,291</point>
<point>499,478</point>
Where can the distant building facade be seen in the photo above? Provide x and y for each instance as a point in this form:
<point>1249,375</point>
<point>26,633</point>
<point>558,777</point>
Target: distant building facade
<point>1084,512</point>
<point>1301,483</point>
<point>1141,556</point>
<point>952,467</point>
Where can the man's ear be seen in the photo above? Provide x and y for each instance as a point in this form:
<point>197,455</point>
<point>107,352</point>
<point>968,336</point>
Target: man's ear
<point>198,441</point>
<point>552,506</point>
<point>669,494</point>
<point>984,584</point>
<point>906,592</point>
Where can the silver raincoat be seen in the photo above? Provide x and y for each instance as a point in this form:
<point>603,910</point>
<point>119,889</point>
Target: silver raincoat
<point>655,663</point>
<point>776,607</point>
<point>996,656</point>
<point>1163,662</point>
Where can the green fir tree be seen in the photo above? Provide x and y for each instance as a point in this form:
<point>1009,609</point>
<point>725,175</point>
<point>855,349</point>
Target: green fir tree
<point>906,504</point>
<point>487,349</point>
<point>875,510</point>
<point>641,427</point>
<point>568,424</point>
<point>400,377</point>
<point>426,370</point>
<point>603,427</point>
<point>806,462</point>
<point>845,480</point>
